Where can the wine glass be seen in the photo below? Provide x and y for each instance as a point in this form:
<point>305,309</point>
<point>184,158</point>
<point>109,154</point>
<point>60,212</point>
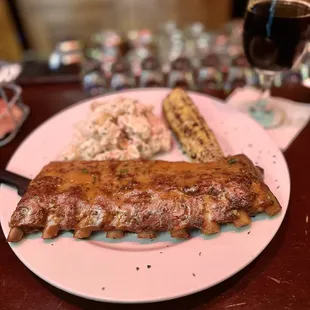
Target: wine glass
<point>275,34</point>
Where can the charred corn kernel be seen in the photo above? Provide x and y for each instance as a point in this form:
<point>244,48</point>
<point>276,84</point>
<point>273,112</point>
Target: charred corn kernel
<point>192,131</point>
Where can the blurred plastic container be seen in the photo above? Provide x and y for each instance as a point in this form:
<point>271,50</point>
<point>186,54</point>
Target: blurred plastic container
<point>142,46</point>
<point>122,77</point>
<point>181,74</point>
<point>209,78</point>
<point>151,75</point>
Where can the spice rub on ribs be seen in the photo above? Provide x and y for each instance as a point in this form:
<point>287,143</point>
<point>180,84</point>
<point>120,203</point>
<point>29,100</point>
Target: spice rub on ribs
<point>142,197</point>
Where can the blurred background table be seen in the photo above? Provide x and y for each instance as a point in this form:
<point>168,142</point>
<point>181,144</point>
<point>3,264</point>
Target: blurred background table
<point>278,279</point>
<point>198,43</point>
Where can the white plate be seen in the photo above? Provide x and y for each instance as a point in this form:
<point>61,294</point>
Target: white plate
<point>132,270</point>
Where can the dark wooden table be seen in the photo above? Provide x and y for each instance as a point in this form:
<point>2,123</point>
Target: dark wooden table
<point>278,279</point>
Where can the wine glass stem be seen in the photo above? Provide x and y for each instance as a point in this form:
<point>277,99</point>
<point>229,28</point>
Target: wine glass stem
<point>266,80</point>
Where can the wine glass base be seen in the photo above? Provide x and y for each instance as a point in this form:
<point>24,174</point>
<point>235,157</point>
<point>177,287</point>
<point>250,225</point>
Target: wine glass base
<point>269,118</point>
<point>273,116</point>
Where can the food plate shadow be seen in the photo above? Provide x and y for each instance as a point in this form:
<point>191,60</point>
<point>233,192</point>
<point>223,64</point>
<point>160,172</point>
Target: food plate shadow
<point>130,242</point>
<point>264,217</point>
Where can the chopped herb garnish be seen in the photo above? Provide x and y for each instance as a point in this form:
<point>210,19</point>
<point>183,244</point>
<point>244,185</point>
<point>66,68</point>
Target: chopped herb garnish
<point>84,170</point>
<point>122,171</point>
<point>94,178</point>
<point>148,266</point>
<point>232,161</point>
<point>137,268</point>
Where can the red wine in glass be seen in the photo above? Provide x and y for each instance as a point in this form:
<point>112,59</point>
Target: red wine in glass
<point>274,37</point>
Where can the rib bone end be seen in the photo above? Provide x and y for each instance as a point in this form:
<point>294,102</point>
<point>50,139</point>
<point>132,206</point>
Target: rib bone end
<point>180,234</point>
<point>242,219</point>
<point>115,234</point>
<point>16,234</point>
<point>50,231</point>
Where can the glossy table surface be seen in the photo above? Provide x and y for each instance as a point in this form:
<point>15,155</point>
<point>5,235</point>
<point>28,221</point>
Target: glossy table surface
<point>278,279</point>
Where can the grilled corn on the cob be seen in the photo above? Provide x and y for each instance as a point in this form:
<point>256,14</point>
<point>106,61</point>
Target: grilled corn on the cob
<point>192,131</point>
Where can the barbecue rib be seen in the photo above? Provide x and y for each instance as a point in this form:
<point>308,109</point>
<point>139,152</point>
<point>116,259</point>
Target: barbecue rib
<point>143,197</point>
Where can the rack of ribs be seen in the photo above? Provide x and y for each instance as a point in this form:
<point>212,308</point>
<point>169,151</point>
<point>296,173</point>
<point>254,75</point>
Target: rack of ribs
<point>143,197</point>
